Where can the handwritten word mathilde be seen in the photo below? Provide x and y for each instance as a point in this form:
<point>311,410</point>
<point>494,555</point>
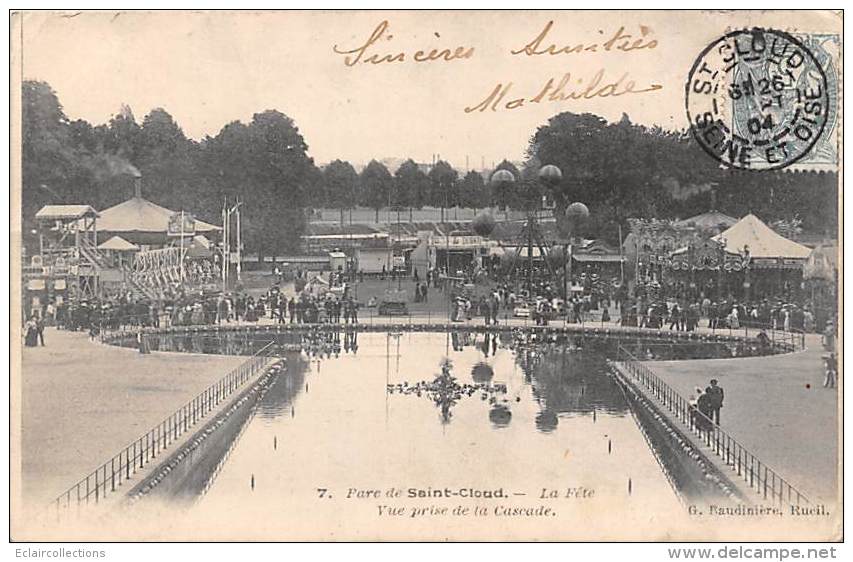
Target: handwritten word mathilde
<point>359,54</point>
<point>568,88</point>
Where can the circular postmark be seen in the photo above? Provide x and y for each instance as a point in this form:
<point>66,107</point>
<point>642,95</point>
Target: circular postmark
<point>757,99</point>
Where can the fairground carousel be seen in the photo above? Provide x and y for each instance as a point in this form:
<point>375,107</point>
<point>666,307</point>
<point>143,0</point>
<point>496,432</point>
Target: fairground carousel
<point>747,261</point>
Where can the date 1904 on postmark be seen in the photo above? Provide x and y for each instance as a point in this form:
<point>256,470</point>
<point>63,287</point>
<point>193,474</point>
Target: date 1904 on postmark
<point>757,99</point>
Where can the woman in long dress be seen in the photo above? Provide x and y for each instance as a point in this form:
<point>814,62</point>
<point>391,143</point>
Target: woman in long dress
<point>30,333</point>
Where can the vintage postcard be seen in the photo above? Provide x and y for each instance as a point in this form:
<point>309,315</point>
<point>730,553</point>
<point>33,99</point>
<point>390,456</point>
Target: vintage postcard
<point>426,275</point>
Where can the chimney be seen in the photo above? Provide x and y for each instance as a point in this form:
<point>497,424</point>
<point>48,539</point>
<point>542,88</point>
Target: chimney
<point>137,187</point>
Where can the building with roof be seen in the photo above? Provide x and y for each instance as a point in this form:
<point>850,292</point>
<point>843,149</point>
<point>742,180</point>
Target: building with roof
<point>144,223</point>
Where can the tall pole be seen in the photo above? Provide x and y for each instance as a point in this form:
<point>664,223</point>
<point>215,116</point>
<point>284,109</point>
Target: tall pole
<point>399,277</point>
<point>390,259</point>
<point>223,245</point>
<point>569,252</point>
<point>621,260</point>
<point>530,254</point>
<point>239,244</point>
<point>226,257</point>
<point>183,250</point>
<point>566,259</point>
<point>450,303</point>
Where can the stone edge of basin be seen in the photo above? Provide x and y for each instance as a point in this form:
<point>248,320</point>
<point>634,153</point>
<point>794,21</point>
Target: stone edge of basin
<point>182,453</point>
<point>684,446</point>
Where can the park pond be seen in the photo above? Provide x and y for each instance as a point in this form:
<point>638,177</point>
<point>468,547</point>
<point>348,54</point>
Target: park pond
<point>479,420</point>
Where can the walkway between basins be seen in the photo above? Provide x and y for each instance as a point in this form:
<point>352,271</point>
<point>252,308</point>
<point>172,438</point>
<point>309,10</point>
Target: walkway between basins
<point>777,408</point>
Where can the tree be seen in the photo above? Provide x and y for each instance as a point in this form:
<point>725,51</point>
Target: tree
<point>53,167</point>
<point>411,185</point>
<point>168,160</point>
<point>224,165</point>
<point>376,184</point>
<point>123,135</point>
<point>340,182</point>
<point>265,164</point>
<point>617,169</point>
<point>442,178</point>
<point>281,176</point>
<point>473,191</point>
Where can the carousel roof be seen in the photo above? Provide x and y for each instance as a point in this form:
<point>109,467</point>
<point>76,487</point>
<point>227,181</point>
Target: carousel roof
<point>140,215</point>
<point>709,220</point>
<point>762,241</point>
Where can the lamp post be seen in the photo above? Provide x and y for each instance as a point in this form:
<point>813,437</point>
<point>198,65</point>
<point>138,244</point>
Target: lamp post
<point>575,214</point>
<point>745,261</point>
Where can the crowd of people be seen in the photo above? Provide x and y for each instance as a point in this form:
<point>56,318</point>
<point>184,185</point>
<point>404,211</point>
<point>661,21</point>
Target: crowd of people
<point>727,313</point>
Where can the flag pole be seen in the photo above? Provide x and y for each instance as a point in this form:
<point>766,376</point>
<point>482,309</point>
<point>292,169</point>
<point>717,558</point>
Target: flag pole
<point>621,260</point>
<point>224,244</point>
<point>239,243</point>
<point>183,250</point>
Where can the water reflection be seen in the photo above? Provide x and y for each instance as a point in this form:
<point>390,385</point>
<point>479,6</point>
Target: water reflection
<point>500,415</point>
<point>331,342</point>
<point>546,421</point>
<point>569,381</point>
<point>442,410</point>
<point>281,395</point>
<point>445,391</point>
<point>482,372</point>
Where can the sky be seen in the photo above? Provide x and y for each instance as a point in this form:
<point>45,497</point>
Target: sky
<point>210,68</point>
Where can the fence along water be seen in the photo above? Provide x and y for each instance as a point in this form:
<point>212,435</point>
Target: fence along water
<point>107,478</point>
<point>757,475</point>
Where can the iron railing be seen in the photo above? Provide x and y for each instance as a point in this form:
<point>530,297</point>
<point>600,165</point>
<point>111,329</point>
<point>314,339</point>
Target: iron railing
<point>107,478</point>
<point>757,475</point>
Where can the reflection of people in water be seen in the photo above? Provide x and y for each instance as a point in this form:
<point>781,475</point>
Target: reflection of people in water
<point>570,381</point>
<point>280,395</point>
<point>546,421</point>
<point>351,342</point>
<point>486,344</point>
<point>482,372</point>
<point>500,415</point>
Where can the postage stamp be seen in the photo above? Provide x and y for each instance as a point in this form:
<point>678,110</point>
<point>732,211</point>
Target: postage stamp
<point>759,99</point>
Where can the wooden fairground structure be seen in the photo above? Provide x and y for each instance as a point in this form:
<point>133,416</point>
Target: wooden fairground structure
<point>67,265</point>
<point>136,249</point>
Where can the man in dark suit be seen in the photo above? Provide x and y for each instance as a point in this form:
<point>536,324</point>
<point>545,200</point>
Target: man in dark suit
<point>715,395</point>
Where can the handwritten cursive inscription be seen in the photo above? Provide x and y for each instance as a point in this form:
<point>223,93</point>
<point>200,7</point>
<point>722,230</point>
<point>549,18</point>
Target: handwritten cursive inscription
<point>360,54</point>
<point>619,41</point>
<point>565,89</point>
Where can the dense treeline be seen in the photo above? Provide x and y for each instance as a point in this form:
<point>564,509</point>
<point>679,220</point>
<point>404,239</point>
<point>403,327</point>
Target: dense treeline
<point>619,170</point>
<point>622,170</point>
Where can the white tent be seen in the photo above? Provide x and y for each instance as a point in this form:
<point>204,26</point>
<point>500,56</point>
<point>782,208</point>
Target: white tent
<point>118,244</point>
<point>762,241</point>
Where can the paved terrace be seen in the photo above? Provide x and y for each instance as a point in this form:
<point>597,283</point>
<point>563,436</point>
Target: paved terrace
<point>777,408</point>
<point>82,402</point>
